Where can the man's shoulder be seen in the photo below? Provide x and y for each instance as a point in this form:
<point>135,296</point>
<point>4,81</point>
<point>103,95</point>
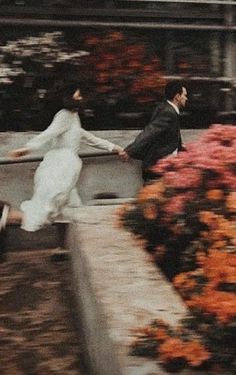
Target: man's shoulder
<point>163,111</point>
<point>164,105</point>
<point>165,108</point>
<point>159,108</point>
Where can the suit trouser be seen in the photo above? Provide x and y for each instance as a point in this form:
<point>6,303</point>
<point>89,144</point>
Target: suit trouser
<point>148,175</point>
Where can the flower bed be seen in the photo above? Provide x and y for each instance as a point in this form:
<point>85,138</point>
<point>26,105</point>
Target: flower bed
<point>186,220</point>
<point>122,67</point>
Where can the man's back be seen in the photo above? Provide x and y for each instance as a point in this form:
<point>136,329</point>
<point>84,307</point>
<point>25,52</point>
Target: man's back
<point>159,138</point>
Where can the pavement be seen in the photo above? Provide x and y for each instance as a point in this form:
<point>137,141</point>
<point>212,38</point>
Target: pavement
<point>38,332</point>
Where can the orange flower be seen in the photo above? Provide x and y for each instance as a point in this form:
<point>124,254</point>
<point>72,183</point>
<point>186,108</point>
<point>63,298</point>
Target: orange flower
<point>201,256</point>
<point>177,229</point>
<point>184,282</point>
<point>150,212</point>
<point>231,202</point>
<point>220,266</point>
<point>161,334</point>
<point>152,191</point>
<point>219,244</point>
<point>195,353</point>
<point>139,241</point>
<point>204,234</point>
<point>147,331</point>
<point>206,216</point>
<point>172,348</point>
<point>214,194</point>
<point>220,304</point>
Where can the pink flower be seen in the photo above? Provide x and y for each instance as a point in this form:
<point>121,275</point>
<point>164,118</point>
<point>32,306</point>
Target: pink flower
<point>177,203</point>
<point>163,165</point>
<point>229,180</point>
<point>183,178</point>
<point>219,133</point>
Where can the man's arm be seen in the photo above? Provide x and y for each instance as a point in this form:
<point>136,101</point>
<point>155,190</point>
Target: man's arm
<point>159,124</point>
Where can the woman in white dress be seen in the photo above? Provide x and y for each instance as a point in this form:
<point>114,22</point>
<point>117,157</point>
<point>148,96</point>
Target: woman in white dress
<point>56,177</point>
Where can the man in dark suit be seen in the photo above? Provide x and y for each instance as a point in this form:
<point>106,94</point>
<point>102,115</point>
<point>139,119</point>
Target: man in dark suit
<point>161,137</point>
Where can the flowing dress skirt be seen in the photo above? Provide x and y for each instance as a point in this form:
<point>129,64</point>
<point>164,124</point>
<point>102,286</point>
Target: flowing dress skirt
<point>54,188</point>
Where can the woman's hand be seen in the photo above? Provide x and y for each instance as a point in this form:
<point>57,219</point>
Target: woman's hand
<point>118,149</point>
<point>19,152</point>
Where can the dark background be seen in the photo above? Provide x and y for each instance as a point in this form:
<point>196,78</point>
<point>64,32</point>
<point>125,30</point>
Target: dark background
<point>122,70</point>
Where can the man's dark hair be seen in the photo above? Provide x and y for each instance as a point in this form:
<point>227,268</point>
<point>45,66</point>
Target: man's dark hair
<point>173,88</point>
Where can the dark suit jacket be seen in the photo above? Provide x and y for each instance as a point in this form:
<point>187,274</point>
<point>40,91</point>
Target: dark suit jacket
<point>160,137</point>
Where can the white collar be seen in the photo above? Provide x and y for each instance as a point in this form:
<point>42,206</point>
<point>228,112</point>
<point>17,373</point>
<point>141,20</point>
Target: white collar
<point>174,106</point>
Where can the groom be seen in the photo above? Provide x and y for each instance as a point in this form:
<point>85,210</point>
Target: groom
<point>161,137</point>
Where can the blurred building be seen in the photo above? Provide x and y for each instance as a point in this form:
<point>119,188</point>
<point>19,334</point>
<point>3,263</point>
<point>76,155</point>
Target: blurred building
<point>122,52</point>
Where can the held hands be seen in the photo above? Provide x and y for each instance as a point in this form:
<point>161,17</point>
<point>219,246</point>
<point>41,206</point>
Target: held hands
<point>117,149</point>
<point>18,153</point>
<point>123,156</point>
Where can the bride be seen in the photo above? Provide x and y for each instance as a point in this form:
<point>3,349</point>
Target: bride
<point>56,177</point>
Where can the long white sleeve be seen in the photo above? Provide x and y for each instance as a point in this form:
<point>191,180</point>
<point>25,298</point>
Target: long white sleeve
<point>58,126</point>
<point>94,141</point>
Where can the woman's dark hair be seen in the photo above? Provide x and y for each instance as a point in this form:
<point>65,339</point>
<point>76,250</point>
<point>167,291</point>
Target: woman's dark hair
<point>173,88</point>
<point>69,88</point>
<point>61,96</point>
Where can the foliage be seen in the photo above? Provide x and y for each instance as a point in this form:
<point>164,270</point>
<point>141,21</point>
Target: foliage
<point>186,219</point>
<point>122,67</point>
<point>176,349</point>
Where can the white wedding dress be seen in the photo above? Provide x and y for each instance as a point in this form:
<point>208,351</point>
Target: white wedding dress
<point>56,177</point>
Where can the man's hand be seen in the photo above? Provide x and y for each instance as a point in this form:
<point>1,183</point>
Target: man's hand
<point>124,156</point>
<point>18,153</point>
<point>118,149</point>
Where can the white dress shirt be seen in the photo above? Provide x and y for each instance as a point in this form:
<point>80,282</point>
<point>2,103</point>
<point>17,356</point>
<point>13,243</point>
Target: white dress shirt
<point>177,111</point>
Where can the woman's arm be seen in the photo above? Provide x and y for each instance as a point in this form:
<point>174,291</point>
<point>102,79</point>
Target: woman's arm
<point>58,126</point>
<point>100,143</point>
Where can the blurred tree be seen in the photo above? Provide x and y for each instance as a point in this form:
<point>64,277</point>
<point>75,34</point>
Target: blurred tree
<point>121,68</point>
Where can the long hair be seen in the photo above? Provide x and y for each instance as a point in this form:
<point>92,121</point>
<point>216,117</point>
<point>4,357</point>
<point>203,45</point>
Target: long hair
<point>61,96</point>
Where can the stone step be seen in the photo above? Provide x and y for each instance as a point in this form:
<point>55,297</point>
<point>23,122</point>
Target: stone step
<point>48,237</point>
<point>117,288</point>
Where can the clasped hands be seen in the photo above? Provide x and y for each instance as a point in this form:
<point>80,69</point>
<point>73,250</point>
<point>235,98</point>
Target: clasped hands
<point>123,155</point>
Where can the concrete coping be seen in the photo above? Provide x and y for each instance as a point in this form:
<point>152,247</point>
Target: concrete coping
<point>117,288</point>
<point>51,236</point>
<point>106,202</point>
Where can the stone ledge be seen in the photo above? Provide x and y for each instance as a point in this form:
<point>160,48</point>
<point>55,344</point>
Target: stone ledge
<point>117,288</point>
<point>51,236</point>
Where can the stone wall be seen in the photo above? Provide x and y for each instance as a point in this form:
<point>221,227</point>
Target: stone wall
<point>100,175</point>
